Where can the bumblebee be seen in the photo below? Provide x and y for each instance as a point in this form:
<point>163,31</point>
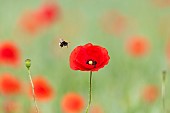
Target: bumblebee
<point>63,43</point>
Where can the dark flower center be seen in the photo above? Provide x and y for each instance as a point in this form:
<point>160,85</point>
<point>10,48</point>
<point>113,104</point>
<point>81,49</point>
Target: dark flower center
<point>91,62</point>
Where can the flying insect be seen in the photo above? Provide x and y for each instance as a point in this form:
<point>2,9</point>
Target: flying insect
<point>63,43</point>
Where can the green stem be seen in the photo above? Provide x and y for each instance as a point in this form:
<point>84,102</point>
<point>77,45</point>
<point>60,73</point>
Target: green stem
<point>90,93</point>
<point>33,91</point>
<point>163,91</point>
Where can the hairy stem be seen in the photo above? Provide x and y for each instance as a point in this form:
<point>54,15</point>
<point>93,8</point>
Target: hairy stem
<point>33,92</point>
<point>90,93</point>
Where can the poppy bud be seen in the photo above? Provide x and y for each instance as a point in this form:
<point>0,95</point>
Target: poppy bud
<point>28,63</point>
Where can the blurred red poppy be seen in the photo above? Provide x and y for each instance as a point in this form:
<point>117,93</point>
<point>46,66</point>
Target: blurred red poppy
<point>72,103</point>
<point>10,107</point>
<point>48,13</point>
<point>150,93</point>
<point>9,84</point>
<point>9,54</point>
<point>168,51</point>
<point>89,58</point>
<point>162,3</point>
<point>137,46</point>
<point>114,22</point>
<point>34,21</point>
<point>29,22</point>
<point>43,90</point>
<point>96,109</point>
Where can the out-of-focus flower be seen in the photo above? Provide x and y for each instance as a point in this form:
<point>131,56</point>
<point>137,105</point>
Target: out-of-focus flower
<point>163,26</point>
<point>137,46</point>
<point>89,58</point>
<point>162,3</point>
<point>150,93</point>
<point>9,84</point>
<point>72,103</point>
<point>34,21</point>
<point>43,90</point>
<point>96,109</point>
<point>10,107</point>
<point>48,13</point>
<point>114,23</point>
<point>29,22</point>
<point>168,51</point>
<point>9,54</point>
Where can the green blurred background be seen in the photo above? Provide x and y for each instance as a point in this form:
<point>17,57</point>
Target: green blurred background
<point>118,86</point>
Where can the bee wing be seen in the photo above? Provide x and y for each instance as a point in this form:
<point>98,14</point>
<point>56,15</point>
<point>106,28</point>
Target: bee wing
<point>61,40</point>
<point>59,43</point>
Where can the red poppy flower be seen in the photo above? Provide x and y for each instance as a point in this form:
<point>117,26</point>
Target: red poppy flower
<point>137,46</point>
<point>10,106</point>
<point>168,51</point>
<point>43,90</point>
<point>9,53</point>
<point>48,13</point>
<point>150,93</point>
<point>33,21</point>
<point>89,58</point>
<point>96,109</point>
<point>72,103</point>
<point>30,22</point>
<point>162,3</point>
<point>9,84</point>
<point>114,22</point>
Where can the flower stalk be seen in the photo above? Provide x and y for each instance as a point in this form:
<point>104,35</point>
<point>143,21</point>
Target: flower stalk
<point>163,91</point>
<point>28,65</point>
<point>90,93</point>
<point>88,58</point>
